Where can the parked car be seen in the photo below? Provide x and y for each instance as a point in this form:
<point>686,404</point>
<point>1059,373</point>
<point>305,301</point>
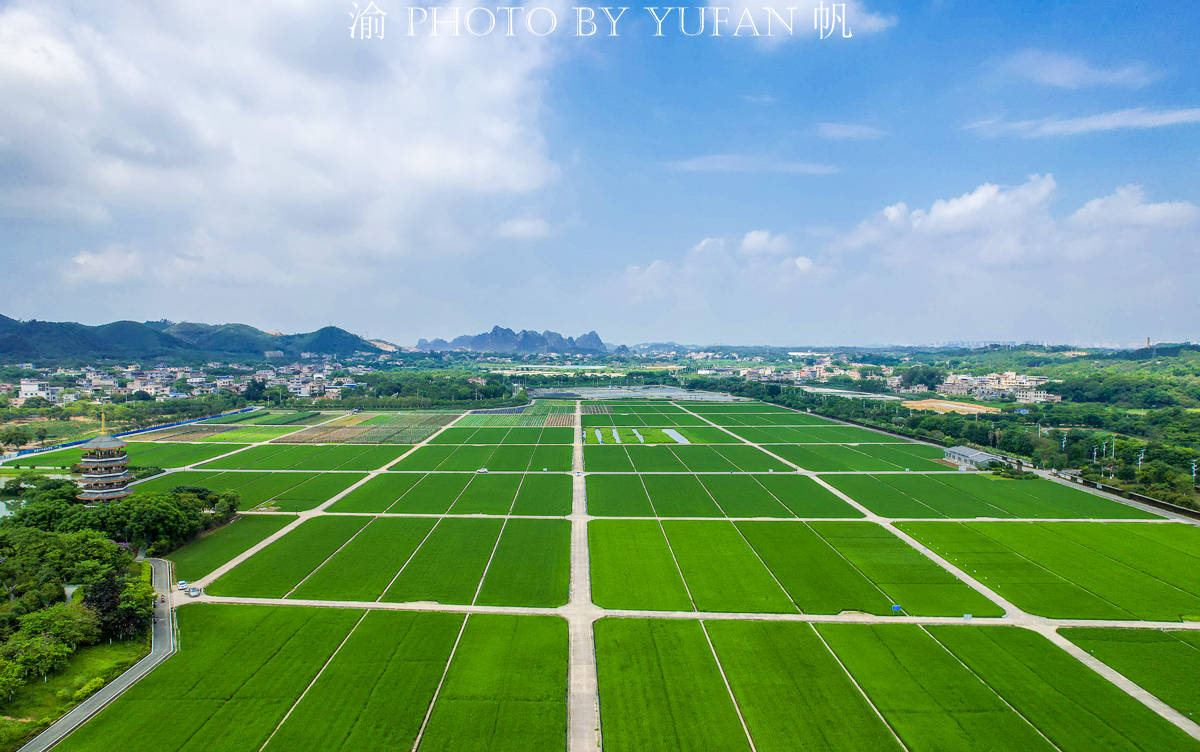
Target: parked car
<point>193,592</point>
<point>181,585</point>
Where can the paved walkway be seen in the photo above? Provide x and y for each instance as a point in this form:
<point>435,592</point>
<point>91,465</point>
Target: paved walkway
<point>583,697</point>
<point>161,647</point>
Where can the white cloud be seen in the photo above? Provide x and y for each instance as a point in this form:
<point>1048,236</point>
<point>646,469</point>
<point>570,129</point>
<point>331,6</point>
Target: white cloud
<point>998,261</point>
<point>263,136</point>
<point>1128,207</point>
<point>1128,119</point>
<point>849,132</point>
<point>1073,72</point>
<point>524,229</point>
<point>763,242</point>
<point>749,163</point>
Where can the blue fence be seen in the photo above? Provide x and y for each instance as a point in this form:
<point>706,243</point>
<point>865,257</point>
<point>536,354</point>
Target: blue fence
<point>68,445</point>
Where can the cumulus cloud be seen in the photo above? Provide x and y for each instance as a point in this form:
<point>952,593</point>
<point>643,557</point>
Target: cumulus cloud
<point>749,163</point>
<point>997,261</point>
<point>1135,118</point>
<point>192,135</point>
<point>763,242</point>
<point>1072,72</point>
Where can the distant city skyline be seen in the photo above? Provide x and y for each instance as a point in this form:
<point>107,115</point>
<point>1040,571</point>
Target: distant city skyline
<point>951,172</point>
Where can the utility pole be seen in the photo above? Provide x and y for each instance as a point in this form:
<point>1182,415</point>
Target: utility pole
<point>1094,448</point>
<point>1142,456</point>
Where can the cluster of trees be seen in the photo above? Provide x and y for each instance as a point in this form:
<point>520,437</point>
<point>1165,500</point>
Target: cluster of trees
<point>158,522</point>
<point>1129,391</point>
<point>53,541</point>
<point>39,628</point>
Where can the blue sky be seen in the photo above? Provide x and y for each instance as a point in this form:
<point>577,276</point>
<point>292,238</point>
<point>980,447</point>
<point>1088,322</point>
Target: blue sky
<point>955,171</point>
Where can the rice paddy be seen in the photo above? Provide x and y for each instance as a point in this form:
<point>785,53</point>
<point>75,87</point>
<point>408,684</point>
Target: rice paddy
<point>752,586</point>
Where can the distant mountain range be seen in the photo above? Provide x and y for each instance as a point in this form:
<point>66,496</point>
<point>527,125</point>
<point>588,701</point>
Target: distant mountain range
<point>502,340</point>
<point>39,340</point>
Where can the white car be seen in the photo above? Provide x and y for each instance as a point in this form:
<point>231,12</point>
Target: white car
<point>181,585</point>
<point>193,592</point>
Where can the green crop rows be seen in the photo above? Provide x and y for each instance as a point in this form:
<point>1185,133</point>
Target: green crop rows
<point>373,680</point>
<point>741,604</point>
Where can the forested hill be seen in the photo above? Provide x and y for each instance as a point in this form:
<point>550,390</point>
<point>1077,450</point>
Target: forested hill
<point>64,340</point>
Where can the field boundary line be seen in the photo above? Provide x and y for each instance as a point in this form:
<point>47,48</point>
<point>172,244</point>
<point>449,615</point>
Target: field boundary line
<point>226,567</point>
<point>753,550</point>
<point>853,680</point>
<point>409,559</point>
<point>1122,682</point>
<point>438,690</point>
<point>1050,571</point>
<point>852,565</point>
<point>300,699</point>
<point>990,688</point>
<point>336,551</point>
<point>725,680</point>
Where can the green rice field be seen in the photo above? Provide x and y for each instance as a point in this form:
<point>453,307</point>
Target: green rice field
<point>739,576</point>
<point>371,679</point>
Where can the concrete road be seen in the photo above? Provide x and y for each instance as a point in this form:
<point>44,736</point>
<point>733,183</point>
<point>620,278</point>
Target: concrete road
<point>161,647</point>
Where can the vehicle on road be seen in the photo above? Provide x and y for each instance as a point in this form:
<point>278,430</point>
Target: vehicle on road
<point>193,592</point>
<point>181,585</point>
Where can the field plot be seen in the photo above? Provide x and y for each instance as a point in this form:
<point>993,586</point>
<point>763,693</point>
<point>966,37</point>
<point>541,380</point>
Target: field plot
<point>230,686</point>
<point>679,459</point>
<point>775,567</point>
<point>276,569</point>
<point>240,433</point>
<point>364,567</point>
<point>937,688</point>
<point>236,683</point>
<point>458,435</point>
<point>817,434</point>
<point>140,455</point>
<point>275,418</point>
<point>635,420</point>
<point>951,687</point>
<point>1164,663</point>
<point>288,492</point>
<point>505,687</point>
<point>660,689</point>
<point>1078,569</point>
<point>759,495</point>
<point>528,568</point>
<point>190,432</point>
<point>334,434</point>
<point>863,457</point>
<point>493,457</point>
<point>214,548</point>
<point>780,418</point>
<point>977,495</point>
<point>282,457</point>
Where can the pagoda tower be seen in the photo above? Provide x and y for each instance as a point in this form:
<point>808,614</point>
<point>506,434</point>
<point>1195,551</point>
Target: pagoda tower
<point>105,470</point>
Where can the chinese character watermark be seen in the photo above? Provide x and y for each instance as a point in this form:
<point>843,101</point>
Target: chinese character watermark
<point>828,18</point>
<point>368,22</point>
